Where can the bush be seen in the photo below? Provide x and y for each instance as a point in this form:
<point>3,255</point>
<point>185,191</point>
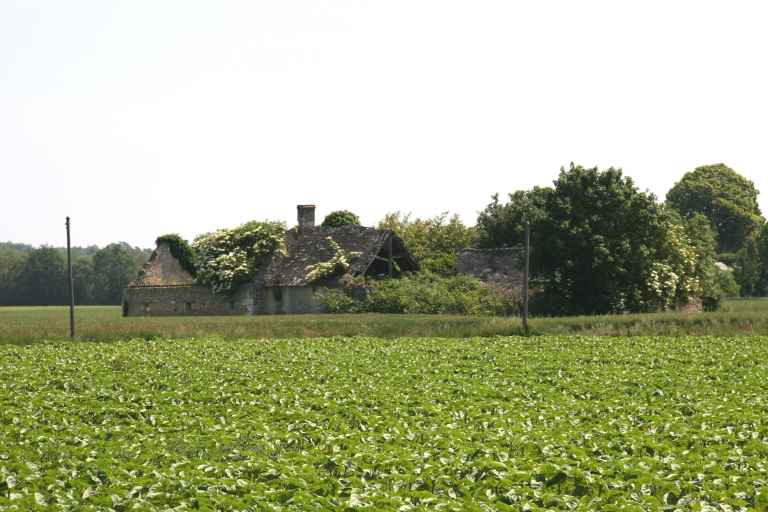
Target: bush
<point>425,293</point>
<point>341,218</point>
<point>727,284</point>
<point>336,300</point>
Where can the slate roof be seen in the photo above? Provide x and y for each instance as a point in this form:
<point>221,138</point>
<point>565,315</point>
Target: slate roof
<point>308,246</point>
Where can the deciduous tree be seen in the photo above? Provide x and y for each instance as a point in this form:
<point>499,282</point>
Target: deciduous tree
<point>726,198</point>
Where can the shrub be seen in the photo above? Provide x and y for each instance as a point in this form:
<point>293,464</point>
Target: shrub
<point>336,300</point>
<point>340,218</point>
<point>425,293</point>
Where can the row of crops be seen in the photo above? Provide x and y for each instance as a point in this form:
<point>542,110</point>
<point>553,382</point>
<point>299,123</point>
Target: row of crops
<point>562,423</point>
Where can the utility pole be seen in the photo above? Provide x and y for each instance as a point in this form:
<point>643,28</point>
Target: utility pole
<point>71,287</point>
<point>526,271</point>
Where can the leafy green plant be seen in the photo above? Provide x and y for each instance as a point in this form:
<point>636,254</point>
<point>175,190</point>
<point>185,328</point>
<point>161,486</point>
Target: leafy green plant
<point>341,218</point>
<point>228,257</point>
<point>425,293</point>
<point>503,423</point>
<point>434,242</point>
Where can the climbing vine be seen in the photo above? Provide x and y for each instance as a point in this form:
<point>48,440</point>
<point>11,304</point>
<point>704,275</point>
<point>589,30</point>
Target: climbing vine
<point>337,265</point>
<point>228,257</point>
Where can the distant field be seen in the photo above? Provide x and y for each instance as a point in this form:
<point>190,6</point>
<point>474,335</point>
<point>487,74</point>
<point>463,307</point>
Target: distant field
<point>547,423</point>
<point>26,325</point>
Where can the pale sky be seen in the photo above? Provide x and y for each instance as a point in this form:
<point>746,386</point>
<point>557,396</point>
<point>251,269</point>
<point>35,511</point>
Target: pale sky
<point>139,118</point>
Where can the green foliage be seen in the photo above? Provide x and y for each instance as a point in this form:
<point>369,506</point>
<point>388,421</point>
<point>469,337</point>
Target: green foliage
<point>42,279</point>
<point>434,242</point>
<point>748,267</point>
<point>181,250</point>
<point>336,300</point>
<point>340,218</point>
<point>336,266</point>
<point>425,293</point>
<point>558,423</point>
<point>607,247</point>
<point>602,246</point>
<point>228,257</point>
<point>99,275</point>
<point>503,225</point>
<point>725,197</point>
<point>727,284</point>
<point>11,263</point>
<point>113,268</point>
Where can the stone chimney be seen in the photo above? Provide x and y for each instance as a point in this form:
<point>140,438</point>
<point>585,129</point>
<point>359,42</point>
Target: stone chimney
<point>306,216</point>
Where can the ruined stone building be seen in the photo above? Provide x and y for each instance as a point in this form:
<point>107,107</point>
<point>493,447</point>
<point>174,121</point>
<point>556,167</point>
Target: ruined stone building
<point>164,287</point>
<point>501,267</point>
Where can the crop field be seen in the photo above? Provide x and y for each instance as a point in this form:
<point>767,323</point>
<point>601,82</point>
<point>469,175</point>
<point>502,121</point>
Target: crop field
<point>500,423</point>
<point>105,323</point>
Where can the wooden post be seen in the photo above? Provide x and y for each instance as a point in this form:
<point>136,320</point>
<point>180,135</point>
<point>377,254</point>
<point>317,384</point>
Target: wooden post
<point>526,271</point>
<point>389,256</point>
<point>71,287</point>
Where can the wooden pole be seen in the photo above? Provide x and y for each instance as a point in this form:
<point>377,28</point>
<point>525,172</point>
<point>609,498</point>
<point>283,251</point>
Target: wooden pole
<point>389,256</point>
<point>526,271</point>
<point>71,287</point>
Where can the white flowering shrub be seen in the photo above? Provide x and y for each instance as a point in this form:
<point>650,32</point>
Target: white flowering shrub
<point>673,279</point>
<point>337,265</point>
<point>228,257</point>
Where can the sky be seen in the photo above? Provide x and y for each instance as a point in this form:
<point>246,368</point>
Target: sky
<point>143,117</point>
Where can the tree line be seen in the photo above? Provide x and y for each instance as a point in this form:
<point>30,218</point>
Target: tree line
<point>600,245</point>
<point>32,276</point>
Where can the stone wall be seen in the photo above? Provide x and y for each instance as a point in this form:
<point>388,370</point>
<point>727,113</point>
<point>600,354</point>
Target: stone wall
<point>163,269</point>
<point>179,300</point>
<point>291,300</point>
<point>250,299</point>
<point>503,267</point>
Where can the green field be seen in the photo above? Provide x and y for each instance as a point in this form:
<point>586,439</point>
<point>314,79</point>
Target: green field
<point>557,423</point>
<point>34,324</point>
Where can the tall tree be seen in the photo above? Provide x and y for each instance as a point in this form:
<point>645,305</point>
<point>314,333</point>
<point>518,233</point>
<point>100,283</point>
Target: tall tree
<point>726,198</point>
<point>11,263</point>
<point>113,266</point>
<point>601,244</point>
<point>503,224</point>
<point>84,280</point>
<point>43,278</point>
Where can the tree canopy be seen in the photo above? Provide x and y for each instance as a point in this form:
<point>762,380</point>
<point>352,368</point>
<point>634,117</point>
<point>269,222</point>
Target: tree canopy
<point>340,218</point>
<point>601,245</point>
<point>726,198</point>
<point>434,242</point>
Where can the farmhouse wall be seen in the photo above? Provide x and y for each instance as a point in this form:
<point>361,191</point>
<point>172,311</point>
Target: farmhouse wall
<point>291,300</point>
<point>499,266</point>
<point>179,300</point>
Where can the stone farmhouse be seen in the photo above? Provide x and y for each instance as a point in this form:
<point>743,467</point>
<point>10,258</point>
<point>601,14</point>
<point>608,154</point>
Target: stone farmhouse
<point>164,287</point>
